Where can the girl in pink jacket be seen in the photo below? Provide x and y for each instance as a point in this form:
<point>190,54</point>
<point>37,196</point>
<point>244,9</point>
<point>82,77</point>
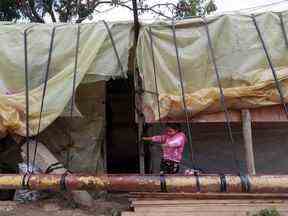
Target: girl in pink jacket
<point>172,142</point>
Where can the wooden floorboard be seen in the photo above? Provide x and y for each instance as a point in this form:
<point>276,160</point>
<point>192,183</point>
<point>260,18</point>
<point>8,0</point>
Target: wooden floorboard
<point>206,196</point>
<point>159,204</point>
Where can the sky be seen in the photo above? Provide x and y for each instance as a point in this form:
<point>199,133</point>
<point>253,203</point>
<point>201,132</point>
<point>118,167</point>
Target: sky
<point>224,6</point>
<point>232,5</point>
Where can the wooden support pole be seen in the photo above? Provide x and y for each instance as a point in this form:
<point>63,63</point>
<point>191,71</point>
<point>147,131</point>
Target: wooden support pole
<point>138,86</point>
<point>248,141</point>
<point>104,135</point>
<point>141,147</point>
<point>104,150</point>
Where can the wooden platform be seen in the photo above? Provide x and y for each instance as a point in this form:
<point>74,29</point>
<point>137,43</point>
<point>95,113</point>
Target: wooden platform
<point>181,204</point>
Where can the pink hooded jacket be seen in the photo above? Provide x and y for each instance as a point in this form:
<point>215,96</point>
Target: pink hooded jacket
<point>173,145</point>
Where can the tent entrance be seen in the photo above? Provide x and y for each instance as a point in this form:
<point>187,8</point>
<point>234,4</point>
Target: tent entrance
<point>121,132</point>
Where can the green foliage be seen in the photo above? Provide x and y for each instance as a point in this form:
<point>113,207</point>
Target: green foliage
<point>67,9</point>
<point>36,10</point>
<point>8,10</point>
<point>267,212</point>
<point>75,10</point>
<point>186,8</point>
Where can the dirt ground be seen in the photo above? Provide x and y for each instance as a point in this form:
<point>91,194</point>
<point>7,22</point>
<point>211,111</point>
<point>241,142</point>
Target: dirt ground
<point>57,206</point>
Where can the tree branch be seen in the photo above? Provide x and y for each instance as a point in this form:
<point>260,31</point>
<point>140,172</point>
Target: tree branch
<point>36,17</point>
<point>96,3</point>
<point>73,8</point>
<point>51,12</point>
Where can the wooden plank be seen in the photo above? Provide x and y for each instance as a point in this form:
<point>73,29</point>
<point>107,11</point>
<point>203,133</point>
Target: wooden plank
<point>195,204</point>
<point>128,213</point>
<point>262,114</point>
<point>210,208</point>
<point>205,196</point>
<point>206,202</point>
<point>201,205</point>
<point>248,142</point>
<point>242,207</point>
<point>202,213</point>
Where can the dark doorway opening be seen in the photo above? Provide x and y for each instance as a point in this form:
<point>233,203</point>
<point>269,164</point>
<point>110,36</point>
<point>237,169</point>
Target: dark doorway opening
<point>121,129</point>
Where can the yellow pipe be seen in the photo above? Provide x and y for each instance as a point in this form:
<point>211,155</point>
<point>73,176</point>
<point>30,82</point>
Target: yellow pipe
<point>149,183</point>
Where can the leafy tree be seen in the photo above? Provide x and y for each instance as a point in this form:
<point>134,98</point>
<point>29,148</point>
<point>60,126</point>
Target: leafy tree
<point>79,10</point>
<point>65,10</point>
<point>8,10</point>
<point>187,8</point>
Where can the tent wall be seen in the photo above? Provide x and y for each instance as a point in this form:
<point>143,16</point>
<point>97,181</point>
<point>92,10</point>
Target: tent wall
<point>88,131</point>
<point>243,68</point>
<point>96,61</point>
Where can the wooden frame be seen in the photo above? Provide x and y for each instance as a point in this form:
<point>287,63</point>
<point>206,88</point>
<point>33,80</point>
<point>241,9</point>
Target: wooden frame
<point>246,117</point>
<point>263,114</point>
<point>272,114</point>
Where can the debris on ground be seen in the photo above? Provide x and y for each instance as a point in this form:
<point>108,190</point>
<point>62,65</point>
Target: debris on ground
<point>113,205</point>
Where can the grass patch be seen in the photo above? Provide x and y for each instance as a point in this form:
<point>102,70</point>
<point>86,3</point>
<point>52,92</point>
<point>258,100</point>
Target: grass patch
<point>267,212</point>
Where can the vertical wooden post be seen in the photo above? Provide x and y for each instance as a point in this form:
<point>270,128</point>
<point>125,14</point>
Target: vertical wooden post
<point>248,142</point>
<point>138,87</point>
<point>104,151</point>
<point>104,144</point>
<point>141,147</point>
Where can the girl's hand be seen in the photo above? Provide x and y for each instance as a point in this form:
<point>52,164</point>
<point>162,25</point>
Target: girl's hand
<point>147,138</point>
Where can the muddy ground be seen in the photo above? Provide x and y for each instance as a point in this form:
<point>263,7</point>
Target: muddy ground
<point>59,206</point>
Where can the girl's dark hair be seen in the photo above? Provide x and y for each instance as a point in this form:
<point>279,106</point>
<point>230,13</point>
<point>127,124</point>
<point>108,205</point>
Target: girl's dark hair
<point>174,126</point>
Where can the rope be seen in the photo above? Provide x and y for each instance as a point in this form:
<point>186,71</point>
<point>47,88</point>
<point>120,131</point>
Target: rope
<point>283,29</point>
<point>27,95</point>
<point>154,73</point>
<point>163,186</point>
<point>73,92</point>
<point>54,166</point>
<point>114,46</point>
<point>223,185</point>
<point>245,182</point>
<point>277,83</point>
<point>156,94</point>
<point>25,180</point>
<point>63,185</point>
<point>198,185</point>
<point>222,97</point>
<point>146,91</point>
<point>182,90</point>
<point>44,92</point>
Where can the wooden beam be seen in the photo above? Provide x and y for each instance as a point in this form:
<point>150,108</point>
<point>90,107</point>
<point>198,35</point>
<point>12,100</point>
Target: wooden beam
<point>258,115</point>
<point>248,141</point>
<point>104,152</point>
<point>138,86</point>
<point>141,148</point>
<point>206,196</point>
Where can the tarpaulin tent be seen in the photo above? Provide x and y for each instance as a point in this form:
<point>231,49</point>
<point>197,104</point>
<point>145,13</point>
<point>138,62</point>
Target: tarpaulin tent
<point>245,75</point>
<point>96,61</point>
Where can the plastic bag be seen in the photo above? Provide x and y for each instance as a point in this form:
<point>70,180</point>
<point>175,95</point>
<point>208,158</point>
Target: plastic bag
<point>26,195</point>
